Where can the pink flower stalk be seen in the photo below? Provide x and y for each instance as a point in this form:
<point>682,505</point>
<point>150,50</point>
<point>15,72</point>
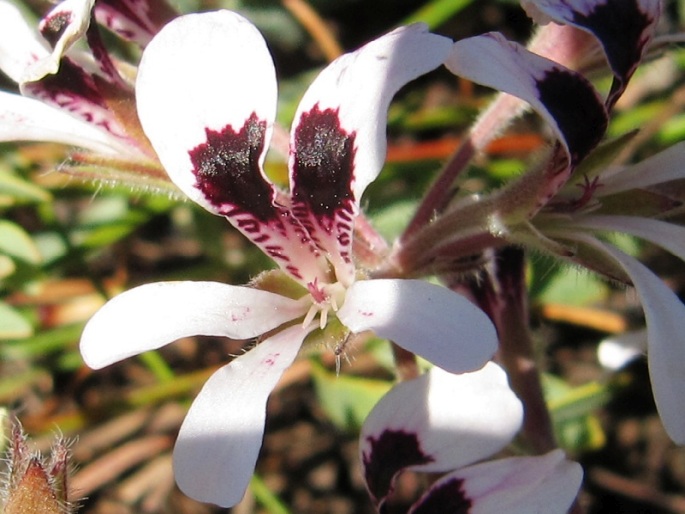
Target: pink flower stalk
<point>446,423</point>
<point>206,97</point>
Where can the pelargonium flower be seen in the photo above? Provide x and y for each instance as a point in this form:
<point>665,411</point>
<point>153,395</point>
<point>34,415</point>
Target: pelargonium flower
<point>446,423</point>
<point>206,98</point>
<point>567,205</point>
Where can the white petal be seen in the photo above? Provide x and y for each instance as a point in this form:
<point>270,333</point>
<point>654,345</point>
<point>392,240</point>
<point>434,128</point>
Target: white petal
<point>565,99</point>
<point>203,72</point>
<point>68,22</point>
<point>220,438</point>
<point>441,421</point>
<point>150,316</point>
<point>213,145</point>
<point>616,351</point>
<point>429,320</point>
<point>338,141</point>
<point>518,485</point>
<point>359,86</point>
<point>25,119</point>
<point>665,317</point>
<point>669,236</point>
<point>662,167</point>
<point>19,44</point>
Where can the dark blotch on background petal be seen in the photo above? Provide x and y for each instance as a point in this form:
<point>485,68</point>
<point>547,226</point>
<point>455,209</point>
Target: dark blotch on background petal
<point>54,26</point>
<point>323,165</point>
<point>390,453</point>
<point>70,84</point>
<point>449,496</point>
<point>228,172</point>
<point>577,109</point>
<point>620,26</point>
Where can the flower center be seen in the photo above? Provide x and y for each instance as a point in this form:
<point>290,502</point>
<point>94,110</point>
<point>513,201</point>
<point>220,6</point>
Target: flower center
<point>324,298</point>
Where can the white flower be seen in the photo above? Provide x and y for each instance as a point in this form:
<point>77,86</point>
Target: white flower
<point>206,94</point>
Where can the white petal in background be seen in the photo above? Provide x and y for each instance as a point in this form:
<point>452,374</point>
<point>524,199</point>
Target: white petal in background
<point>669,236</point>
<point>665,319</point>
<point>219,441</point>
<point>455,419</point>
<point>70,18</point>
<point>26,119</point>
<point>429,320</point>
<point>520,485</point>
<point>203,71</point>
<point>662,167</point>
<point>19,43</point>
<point>619,350</point>
<point>150,316</point>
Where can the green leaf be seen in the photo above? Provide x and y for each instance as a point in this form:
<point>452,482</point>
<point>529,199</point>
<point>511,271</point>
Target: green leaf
<point>50,341</point>
<point>437,12</point>
<point>570,286</point>
<point>347,399</point>
<point>390,221</point>
<point>14,189</point>
<point>575,425</point>
<point>7,266</point>
<point>12,324</point>
<point>16,243</point>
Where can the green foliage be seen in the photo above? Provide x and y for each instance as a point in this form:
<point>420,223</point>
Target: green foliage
<point>347,399</point>
<point>572,408</point>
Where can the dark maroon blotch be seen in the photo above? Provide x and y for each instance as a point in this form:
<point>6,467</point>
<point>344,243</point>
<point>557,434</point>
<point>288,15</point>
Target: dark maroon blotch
<point>620,26</point>
<point>391,452</point>
<point>227,170</point>
<point>54,26</point>
<point>448,496</point>
<point>71,83</point>
<point>323,164</point>
<point>578,111</point>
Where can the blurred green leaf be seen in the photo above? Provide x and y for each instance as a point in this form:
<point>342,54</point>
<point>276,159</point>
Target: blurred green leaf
<point>12,324</point>
<point>437,12</point>
<point>570,286</point>
<point>44,343</point>
<point>17,243</point>
<point>347,399</point>
<point>7,266</point>
<point>390,221</point>
<point>14,189</point>
<point>576,428</point>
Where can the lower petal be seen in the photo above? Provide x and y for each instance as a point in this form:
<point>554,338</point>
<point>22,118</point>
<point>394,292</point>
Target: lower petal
<point>219,441</point>
<point>519,485</point>
<point>429,320</point>
<point>441,421</point>
<point>150,316</point>
<point>665,319</point>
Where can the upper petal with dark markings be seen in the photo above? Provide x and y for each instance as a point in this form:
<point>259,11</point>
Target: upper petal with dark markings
<point>206,93</point>
<point>338,141</point>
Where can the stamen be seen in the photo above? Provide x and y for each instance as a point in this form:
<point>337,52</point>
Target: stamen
<point>311,314</point>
